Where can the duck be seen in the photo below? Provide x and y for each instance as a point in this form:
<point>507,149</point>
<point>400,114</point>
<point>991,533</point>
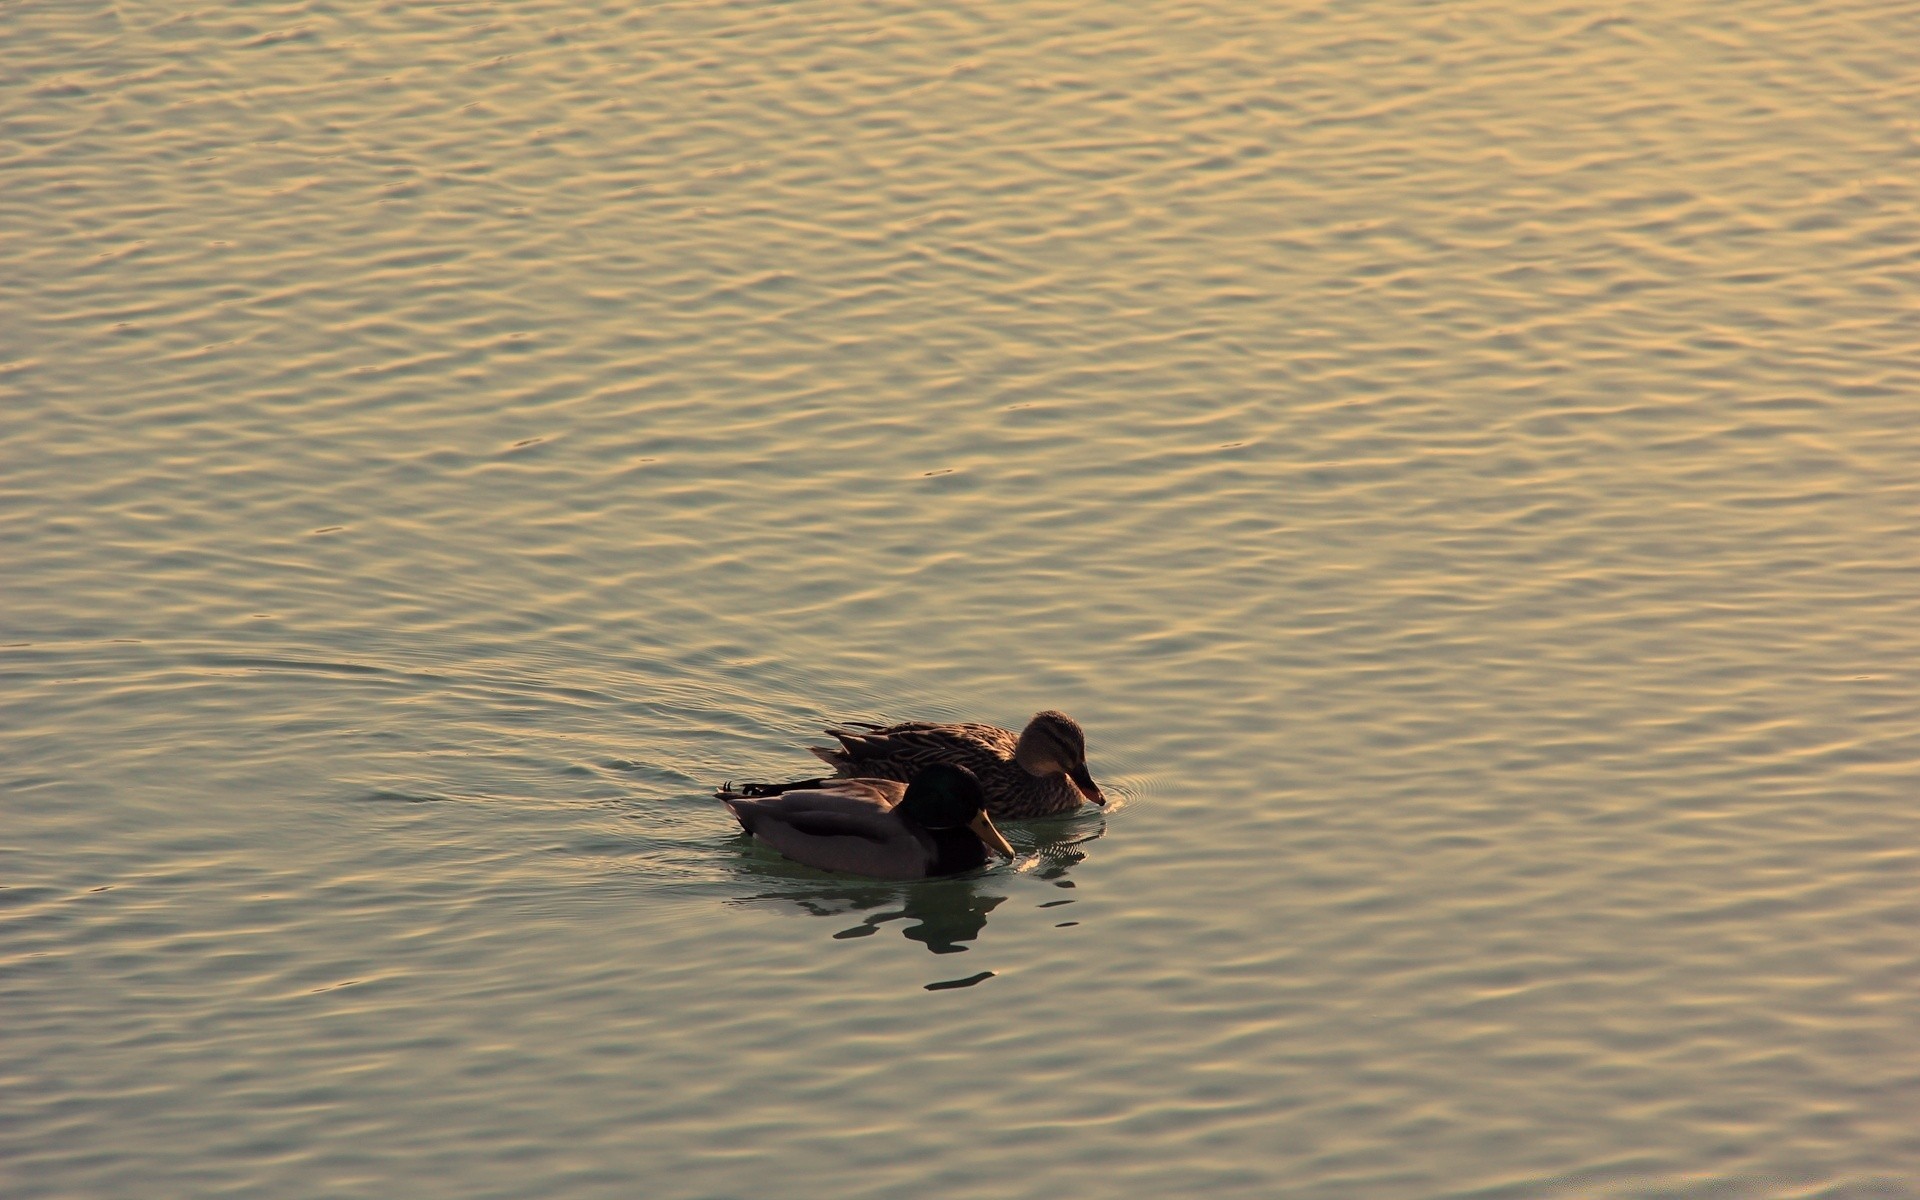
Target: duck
<point>1039,772</point>
<point>936,824</point>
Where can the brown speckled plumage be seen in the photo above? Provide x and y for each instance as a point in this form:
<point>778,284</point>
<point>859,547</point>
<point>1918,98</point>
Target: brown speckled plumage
<point>1053,742</point>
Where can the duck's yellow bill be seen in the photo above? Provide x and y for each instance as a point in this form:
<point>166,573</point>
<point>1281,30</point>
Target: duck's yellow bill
<point>983,825</point>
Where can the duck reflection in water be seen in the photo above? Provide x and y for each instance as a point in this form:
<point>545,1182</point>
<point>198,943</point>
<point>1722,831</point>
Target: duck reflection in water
<point>944,915</point>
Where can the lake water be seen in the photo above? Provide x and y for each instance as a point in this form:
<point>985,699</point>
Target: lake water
<point>1461,463</point>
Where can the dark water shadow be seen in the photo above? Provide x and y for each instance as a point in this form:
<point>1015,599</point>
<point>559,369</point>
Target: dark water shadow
<point>944,915</point>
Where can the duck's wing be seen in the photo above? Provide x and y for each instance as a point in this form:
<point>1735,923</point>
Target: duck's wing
<point>905,748</point>
<point>837,830</point>
<point>853,797</point>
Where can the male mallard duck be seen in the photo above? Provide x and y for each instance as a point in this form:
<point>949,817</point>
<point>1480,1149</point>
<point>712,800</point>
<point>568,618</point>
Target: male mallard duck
<point>1041,772</point>
<point>935,825</point>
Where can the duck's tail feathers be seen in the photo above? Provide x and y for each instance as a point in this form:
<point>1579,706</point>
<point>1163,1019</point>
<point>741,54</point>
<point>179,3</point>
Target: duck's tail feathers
<point>852,734</point>
<point>758,791</point>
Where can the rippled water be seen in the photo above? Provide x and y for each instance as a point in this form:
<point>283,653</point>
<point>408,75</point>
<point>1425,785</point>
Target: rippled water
<point>1459,462</point>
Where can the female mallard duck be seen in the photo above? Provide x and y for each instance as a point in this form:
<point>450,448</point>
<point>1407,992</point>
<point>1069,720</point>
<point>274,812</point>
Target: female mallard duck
<point>935,825</point>
<point>1041,772</point>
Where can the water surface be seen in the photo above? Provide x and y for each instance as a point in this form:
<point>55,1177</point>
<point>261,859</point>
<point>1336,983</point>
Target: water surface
<point>1457,461</point>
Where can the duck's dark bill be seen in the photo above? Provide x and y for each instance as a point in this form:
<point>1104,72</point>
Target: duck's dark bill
<point>1084,781</point>
<point>983,825</point>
